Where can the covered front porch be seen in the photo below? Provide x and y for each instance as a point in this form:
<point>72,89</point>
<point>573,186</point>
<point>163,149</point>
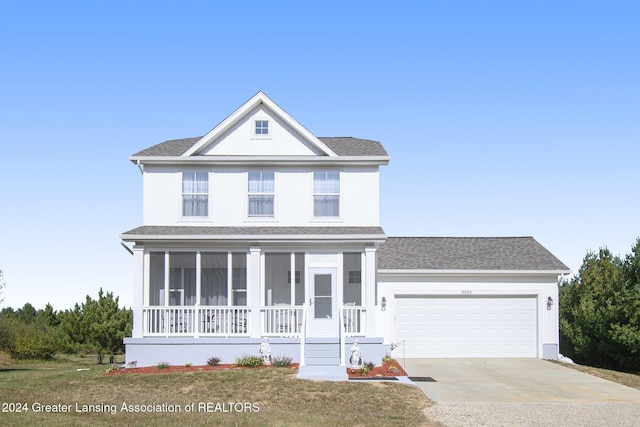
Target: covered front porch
<point>307,301</point>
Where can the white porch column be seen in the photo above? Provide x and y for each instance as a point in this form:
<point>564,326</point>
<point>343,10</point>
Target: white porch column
<point>369,275</point>
<point>254,290</point>
<point>139,284</point>
<point>198,291</point>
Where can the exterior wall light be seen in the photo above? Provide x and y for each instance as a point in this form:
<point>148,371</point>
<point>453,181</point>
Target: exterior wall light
<point>549,303</point>
<point>383,304</point>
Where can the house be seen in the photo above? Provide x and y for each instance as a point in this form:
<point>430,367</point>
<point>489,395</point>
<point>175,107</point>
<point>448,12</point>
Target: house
<point>261,229</point>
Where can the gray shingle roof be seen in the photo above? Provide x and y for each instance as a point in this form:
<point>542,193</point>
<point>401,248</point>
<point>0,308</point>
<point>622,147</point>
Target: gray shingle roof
<point>348,146</point>
<point>173,147</point>
<point>342,146</point>
<point>152,230</point>
<point>466,253</point>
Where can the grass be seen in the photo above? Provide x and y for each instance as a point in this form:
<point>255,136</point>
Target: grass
<point>630,380</point>
<point>271,396</point>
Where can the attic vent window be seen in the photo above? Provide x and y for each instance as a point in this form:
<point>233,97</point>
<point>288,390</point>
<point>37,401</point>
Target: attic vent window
<point>262,127</point>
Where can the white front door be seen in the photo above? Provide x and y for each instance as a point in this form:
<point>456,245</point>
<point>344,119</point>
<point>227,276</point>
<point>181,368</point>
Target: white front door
<point>323,310</point>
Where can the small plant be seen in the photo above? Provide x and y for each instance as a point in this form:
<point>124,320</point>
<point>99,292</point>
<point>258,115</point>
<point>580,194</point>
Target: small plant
<point>387,359</point>
<point>281,361</point>
<point>249,361</point>
<point>132,364</point>
<point>188,365</point>
<point>214,361</point>
<point>366,368</point>
<point>113,368</point>
<point>162,365</point>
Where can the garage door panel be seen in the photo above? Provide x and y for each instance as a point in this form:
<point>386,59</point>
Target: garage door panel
<point>488,326</point>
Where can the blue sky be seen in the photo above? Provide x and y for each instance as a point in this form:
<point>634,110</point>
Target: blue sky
<point>501,118</point>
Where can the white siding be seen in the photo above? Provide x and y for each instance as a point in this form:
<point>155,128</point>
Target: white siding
<point>241,140</point>
<point>359,198</point>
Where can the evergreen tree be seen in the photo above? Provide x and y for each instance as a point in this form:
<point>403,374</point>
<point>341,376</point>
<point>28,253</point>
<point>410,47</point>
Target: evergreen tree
<point>600,311</point>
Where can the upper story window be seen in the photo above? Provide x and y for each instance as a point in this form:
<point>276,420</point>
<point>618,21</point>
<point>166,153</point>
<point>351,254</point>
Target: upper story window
<point>262,127</point>
<point>261,193</point>
<point>326,194</point>
<point>195,193</point>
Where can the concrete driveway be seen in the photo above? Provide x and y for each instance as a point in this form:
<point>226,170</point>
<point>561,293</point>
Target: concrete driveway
<point>512,380</point>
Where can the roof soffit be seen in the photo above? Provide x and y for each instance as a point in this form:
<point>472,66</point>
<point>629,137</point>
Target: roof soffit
<point>237,116</point>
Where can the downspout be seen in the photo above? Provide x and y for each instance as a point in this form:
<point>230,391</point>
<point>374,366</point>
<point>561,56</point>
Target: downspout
<point>126,247</point>
<point>139,166</point>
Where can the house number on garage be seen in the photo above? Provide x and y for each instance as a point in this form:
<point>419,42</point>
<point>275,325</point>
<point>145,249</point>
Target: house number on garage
<point>466,292</point>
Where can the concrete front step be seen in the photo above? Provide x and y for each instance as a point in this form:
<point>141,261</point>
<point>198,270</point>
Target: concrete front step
<point>328,361</point>
<point>324,352</point>
<point>323,372</point>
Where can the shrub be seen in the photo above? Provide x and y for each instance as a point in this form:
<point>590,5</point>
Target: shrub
<point>214,361</point>
<point>28,341</point>
<point>162,365</point>
<point>366,368</point>
<point>249,361</point>
<point>7,335</point>
<point>113,368</point>
<point>188,365</point>
<point>281,361</point>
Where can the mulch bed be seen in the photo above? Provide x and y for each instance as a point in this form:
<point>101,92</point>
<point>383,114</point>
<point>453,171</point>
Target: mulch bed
<point>188,369</point>
<point>388,369</point>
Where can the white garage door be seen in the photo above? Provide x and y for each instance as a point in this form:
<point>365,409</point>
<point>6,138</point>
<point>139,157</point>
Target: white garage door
<point>466,326</point>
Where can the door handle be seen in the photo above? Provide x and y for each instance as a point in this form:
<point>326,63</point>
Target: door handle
<point>310,301</point>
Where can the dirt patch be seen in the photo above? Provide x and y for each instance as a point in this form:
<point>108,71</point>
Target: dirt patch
<point>188,369</point>
<point>389,368</point>
<point>5,358</point>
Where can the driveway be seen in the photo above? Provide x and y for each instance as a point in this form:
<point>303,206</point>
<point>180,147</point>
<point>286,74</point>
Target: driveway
<point>512,380</point>
<point>525,392</point>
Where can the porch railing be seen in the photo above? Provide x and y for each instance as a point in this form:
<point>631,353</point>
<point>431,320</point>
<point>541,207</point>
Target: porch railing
<point>283,321</point>
<point>353,319</point>
<point>205,320</point>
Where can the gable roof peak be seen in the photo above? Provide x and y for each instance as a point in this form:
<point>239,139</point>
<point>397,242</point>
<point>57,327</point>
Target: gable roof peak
<point>258,99</point>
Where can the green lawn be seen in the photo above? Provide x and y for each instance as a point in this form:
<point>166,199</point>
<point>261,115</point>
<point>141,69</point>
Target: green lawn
<point>237,397</point>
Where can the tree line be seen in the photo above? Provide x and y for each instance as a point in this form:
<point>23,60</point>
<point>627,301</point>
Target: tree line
<point>600,311</point>
<point>95,326</point>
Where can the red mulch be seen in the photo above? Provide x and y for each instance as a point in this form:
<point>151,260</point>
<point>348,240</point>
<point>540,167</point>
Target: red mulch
<point>388,369</point>
<point>187,369</point>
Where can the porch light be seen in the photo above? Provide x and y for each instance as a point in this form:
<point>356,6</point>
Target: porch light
<point>549,303</point>
<point>383,304</point>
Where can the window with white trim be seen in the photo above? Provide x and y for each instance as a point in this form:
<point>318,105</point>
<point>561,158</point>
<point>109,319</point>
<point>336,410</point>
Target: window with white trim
<point>195,193</point>
<point>261,192</point>
<point>326,194</point>
<point>262,127</point>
